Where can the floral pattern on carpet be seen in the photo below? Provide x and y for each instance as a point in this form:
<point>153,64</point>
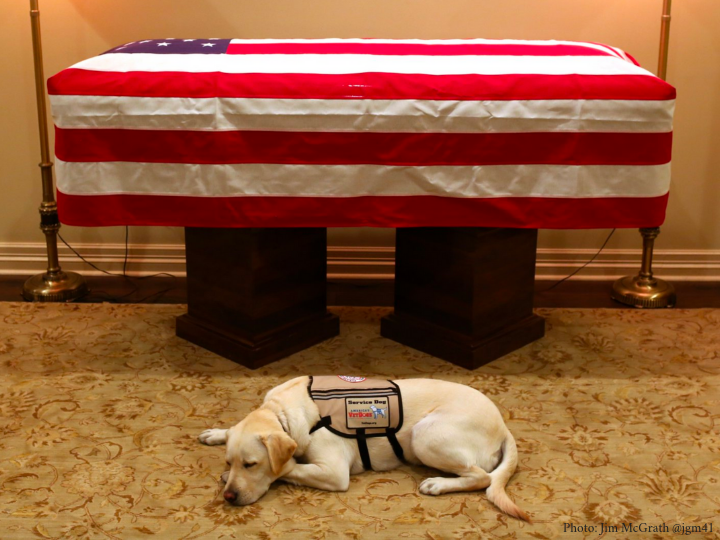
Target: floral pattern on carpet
<point>616,414</point>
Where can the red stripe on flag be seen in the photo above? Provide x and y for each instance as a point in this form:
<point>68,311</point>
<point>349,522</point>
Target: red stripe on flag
<point>421,211</point>
<point>419,49</point>
<point>359,86</point>
<point>340,148</point>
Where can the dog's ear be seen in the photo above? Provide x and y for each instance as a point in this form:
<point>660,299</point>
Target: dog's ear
<point>280,449</point>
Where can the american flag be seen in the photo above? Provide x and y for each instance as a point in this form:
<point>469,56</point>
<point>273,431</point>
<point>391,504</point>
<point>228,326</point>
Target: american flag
<point>362,132</point>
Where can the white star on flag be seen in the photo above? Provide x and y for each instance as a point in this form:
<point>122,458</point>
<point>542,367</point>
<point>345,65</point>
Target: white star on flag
<point>163,44</point>
<point>208,44</point>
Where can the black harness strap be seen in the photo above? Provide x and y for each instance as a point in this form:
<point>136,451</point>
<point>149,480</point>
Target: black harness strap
<point>362,447</point>
<point>325,421</point>
<point>395,444</point>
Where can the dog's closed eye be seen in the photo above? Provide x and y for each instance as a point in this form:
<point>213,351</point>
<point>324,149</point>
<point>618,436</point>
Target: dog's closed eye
<point>249,465</point>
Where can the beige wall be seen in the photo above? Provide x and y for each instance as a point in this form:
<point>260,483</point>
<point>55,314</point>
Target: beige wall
<point>77,29</point>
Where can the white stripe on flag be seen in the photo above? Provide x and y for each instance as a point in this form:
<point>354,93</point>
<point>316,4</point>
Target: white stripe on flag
<point>379,115</point>
<point>362,63</point>
<point>267,179</point>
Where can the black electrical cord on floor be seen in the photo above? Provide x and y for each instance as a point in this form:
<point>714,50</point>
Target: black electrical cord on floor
<point>91,264</point>
<point>110,298</point>
<point>584,265</point>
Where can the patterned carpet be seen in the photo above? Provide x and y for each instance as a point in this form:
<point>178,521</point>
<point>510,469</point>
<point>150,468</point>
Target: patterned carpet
<point>616,414</point>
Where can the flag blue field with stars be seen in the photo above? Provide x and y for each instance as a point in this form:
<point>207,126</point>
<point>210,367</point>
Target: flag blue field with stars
<point>174,46</point>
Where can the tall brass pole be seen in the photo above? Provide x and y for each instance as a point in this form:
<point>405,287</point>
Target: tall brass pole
<point>54,285</point>
<point>645,290</point>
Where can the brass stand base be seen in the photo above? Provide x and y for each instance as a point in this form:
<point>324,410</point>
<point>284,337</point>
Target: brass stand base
<point>56,287</point>
<point>645,290</point>
<point>640,292</point>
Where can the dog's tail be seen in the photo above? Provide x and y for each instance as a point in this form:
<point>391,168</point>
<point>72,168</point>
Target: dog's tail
<point>499,478</point>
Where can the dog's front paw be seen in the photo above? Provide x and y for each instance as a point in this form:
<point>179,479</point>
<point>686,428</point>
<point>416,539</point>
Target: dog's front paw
<point>432,486</point>
<point>212,437</point>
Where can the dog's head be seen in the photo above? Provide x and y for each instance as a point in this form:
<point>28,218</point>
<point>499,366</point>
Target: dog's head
<point>258,452</point>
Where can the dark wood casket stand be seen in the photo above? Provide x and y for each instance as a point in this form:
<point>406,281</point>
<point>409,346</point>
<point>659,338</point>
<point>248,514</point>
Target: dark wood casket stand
<point>462,294</point>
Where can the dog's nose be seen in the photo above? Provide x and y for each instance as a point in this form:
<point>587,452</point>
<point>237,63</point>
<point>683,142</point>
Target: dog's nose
<point>230,496</point>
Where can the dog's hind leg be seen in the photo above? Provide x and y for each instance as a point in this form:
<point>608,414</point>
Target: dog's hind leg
<point>471,479</point>
<point>439,448</point>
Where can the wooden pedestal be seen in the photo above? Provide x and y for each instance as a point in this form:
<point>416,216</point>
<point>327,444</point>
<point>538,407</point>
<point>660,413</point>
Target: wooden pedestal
<point>256,295</point>
<point>464,294</point>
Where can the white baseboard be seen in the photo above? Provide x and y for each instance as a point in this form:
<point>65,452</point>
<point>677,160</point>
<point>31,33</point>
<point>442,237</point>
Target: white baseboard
<point>143,259</point>
<point>363,262</point>
<point>670,264</point>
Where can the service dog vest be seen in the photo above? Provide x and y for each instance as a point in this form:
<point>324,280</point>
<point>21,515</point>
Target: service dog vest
<point>358,408</point>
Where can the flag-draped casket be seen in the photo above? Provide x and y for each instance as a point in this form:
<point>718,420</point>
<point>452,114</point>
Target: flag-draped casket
<point>362,132</point>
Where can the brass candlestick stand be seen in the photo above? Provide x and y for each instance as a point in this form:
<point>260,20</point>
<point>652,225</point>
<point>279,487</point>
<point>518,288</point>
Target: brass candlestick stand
<point>54,285</point>
<point>645,290</point>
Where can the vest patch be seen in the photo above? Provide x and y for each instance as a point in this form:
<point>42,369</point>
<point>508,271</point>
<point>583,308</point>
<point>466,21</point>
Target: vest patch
<point>366,413</point>
<point>351,379</point>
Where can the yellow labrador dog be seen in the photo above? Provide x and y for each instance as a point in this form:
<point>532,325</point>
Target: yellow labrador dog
<point>447,426</point>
